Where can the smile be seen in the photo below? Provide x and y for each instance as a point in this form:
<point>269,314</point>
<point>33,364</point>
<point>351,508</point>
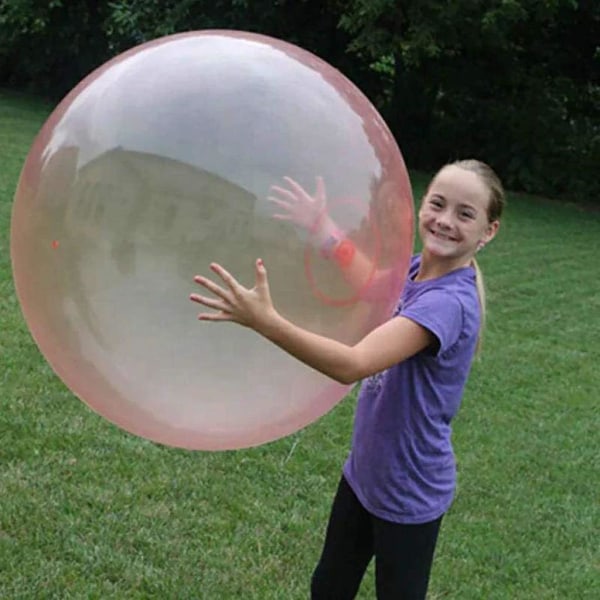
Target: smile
<point>442,236</point>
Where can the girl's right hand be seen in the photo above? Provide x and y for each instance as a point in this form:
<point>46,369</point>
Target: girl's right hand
<point>296,205</point>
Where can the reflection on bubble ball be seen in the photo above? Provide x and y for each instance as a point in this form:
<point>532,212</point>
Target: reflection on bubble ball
<point>161,161</point>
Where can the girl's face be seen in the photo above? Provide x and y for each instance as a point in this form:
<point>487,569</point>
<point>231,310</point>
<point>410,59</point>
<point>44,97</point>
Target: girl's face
<point>453,219</point>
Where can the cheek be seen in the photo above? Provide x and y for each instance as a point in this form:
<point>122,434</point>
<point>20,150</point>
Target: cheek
<point>423,215</point>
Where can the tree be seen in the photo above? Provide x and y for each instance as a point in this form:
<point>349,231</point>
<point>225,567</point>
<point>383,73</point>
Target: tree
<point>514,82</point>
<point>47,46</point>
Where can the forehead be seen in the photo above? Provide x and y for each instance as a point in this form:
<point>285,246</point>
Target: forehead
<point>459,185</point>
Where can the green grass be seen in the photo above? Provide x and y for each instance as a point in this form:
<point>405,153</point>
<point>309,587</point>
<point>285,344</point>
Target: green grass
<point>88,511</point>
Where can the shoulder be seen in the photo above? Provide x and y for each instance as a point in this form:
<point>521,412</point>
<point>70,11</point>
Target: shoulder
<point>433,303</point>
<point>454,289</point>
<point>448,306</point>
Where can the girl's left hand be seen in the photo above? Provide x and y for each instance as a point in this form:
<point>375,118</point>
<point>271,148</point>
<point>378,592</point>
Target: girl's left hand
<point>249,307</point>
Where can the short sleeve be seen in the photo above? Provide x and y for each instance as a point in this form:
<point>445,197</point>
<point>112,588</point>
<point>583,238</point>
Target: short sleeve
<point>440,313</point>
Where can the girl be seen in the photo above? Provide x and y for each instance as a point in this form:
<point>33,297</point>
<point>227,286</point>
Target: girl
<point>399,478</point>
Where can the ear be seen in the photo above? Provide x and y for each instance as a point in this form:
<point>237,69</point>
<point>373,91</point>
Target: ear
<point>490,233</point>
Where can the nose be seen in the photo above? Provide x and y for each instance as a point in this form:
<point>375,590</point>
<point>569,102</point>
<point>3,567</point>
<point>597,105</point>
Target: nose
<point>443,220</point>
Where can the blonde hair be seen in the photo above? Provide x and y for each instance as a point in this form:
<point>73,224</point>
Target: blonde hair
<point>496,204</point>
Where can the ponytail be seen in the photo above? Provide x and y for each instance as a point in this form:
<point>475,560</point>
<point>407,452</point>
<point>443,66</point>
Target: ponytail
<point>496,205</point>
<point>481,296</point>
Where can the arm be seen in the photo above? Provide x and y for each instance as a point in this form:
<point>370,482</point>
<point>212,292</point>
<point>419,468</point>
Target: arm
<point>310,213</point>
<point>392,342</point>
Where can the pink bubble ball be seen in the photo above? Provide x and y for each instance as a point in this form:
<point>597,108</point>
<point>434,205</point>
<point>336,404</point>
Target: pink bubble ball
<point>160,162</point>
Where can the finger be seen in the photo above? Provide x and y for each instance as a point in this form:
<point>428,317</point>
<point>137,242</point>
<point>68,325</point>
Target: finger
<point>298,188</point>
<point>262,282</point>
<point>215,303</point>
<point>220,316</point>
<point>281,203</point>
<point>280,217</point>
<point>292,196</point>
<point>261,274</point>
<point>213,287</point>
<point>290,181</point>
<point>231,282</point>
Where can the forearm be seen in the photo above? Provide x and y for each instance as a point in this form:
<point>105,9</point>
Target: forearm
<point>360,271</point>
<point>330,357</point>
<point>390,343</point>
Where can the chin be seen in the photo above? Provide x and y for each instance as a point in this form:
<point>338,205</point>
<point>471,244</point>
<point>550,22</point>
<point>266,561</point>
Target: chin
<point>439,251</point>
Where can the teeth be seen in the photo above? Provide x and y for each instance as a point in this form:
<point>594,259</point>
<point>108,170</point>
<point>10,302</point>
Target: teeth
<point>441,236</point>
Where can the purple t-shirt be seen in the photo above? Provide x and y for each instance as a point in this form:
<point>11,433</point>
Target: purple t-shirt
<point>401,465</point>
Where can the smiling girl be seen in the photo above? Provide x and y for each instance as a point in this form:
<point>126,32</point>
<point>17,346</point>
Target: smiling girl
<point>400,475</point>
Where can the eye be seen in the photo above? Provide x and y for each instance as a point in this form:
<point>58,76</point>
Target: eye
<point>466,214</point>
<point>435,202</point>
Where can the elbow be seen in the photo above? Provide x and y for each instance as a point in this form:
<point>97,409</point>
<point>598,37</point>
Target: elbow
<point>345,378</point>
<point>349,373</point>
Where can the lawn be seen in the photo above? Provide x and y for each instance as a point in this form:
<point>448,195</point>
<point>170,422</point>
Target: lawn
<point>88,511</point>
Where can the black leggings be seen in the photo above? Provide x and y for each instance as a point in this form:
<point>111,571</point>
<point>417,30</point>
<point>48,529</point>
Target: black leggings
<point>403,553</point>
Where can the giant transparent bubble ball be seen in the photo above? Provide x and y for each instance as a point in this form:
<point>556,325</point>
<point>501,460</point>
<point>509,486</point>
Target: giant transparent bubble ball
<point>160,162</point>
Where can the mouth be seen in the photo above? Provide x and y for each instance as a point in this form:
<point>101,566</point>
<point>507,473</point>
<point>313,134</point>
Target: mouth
<point>442,236</point>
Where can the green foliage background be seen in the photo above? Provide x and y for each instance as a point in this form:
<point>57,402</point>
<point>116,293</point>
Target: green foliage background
<point>514,82</point>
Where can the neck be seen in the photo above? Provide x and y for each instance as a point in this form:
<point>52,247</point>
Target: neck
<point>432,267</point>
